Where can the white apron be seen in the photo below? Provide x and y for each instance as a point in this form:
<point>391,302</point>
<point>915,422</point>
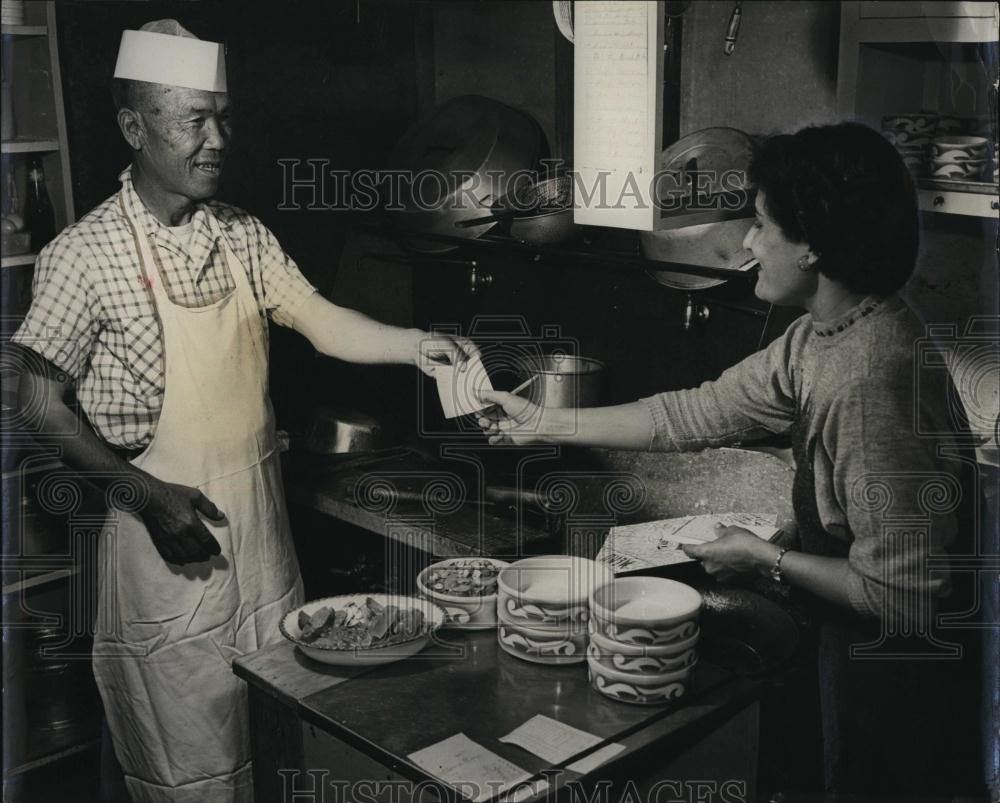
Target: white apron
<point>167,635</point>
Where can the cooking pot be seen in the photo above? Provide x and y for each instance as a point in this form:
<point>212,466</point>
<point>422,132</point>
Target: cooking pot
<point>715,153</point>
<point>462,157</point>
<point>566,381</point>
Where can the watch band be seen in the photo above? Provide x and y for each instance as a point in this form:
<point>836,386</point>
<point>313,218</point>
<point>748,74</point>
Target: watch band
<point>776,574</point>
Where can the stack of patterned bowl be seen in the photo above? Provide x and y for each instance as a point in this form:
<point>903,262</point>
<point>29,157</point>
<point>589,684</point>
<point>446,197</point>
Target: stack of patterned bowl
<point>542,607</point>
<point>959,158</point>
<point>643,632</point>
<point>911,135</point>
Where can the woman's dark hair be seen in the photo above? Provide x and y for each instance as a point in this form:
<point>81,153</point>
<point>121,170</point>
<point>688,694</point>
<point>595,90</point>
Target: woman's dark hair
<point>845,192</point>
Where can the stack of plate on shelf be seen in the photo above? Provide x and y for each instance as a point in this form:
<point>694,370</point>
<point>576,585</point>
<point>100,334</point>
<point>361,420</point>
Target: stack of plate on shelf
<point>959,157</point>
<point>12,12</point>
<point>911,134</point>
<point>542,607</point>
<point>643,633</point>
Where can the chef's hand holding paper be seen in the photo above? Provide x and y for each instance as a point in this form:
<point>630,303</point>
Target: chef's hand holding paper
<point>736,551</point>
<point>513,419</point>
<point>436,351</point>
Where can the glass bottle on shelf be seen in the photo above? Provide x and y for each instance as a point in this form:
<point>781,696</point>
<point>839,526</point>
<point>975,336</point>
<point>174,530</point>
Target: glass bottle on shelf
<point>39,217</point>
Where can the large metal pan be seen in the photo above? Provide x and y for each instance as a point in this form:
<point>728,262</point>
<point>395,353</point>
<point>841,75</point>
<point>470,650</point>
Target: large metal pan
<point>723,155</point>
<point>463,157</point>
<point>539,213</point>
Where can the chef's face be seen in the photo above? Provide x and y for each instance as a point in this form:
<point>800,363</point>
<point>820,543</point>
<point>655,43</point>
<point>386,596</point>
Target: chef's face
<point>780,280</point>
<point>186,135</point>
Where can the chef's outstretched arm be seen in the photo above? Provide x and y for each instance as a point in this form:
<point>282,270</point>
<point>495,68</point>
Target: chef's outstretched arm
<point>352,336</point>
<point>623,426</point>
<point>171,512</point>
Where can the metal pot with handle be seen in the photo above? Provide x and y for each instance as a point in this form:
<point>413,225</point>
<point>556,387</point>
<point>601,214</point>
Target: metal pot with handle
<point>566,381</point>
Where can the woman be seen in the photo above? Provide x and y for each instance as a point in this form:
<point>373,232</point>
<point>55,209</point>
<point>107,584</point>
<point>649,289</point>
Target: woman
<point>836,233</point>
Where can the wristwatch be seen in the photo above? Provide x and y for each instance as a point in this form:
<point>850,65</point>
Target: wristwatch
<point>776,574</point>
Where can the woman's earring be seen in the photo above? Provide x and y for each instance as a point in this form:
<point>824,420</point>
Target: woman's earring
<point>803,263</point>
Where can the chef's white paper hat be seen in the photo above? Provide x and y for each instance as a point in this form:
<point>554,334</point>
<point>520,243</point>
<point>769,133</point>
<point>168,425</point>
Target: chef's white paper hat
<point>164,52</point>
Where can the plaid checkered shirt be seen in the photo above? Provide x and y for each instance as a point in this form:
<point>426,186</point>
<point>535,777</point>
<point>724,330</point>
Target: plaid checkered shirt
<point>93,316</point>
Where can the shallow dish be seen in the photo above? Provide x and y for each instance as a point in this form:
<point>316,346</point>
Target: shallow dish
<point>363,656</point>
<point>645,610</point>
<point>462,612</point>
<point>549,590</point>
<point>542,646</point>
<point>957,170</point>
<point>644,660</point>
<point>645,690</point>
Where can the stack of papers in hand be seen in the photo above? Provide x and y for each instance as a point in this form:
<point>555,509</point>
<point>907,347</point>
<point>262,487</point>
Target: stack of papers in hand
<point>658,543</point>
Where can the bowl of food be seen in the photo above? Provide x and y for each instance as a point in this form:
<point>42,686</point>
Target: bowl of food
<point>549,591</point>
<point>645,610</point>
<point>362,629</point>
<point>633,688</point>
<point>645,659</point>
<point>465,588</point>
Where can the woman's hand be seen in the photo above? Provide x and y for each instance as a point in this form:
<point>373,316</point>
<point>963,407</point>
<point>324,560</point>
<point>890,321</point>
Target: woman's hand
<point>433,350</point>
<point>513,419</point>
<point>737,551</point>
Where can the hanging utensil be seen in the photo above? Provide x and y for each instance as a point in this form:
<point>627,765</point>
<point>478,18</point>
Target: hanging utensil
<point>733,31</point>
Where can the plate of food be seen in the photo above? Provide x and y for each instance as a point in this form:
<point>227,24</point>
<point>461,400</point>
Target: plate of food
<point>362,629</point>
<point>466,588</point>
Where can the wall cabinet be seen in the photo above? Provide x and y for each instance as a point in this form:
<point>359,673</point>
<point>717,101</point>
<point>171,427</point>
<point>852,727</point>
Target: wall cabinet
<point>899,57</point>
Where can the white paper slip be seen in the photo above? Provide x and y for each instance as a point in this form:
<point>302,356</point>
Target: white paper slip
<point>473,770</point>
<point>459,388</point>
<point>556,741</point>
<point>659,543</point>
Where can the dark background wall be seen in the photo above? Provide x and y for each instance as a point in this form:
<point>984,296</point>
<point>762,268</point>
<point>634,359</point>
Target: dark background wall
<point>342,81</point>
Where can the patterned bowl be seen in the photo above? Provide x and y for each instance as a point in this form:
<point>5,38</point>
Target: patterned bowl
<point>549,591</point>
<point>633,659</point>
<point>462,612</point>
<point>643,689</point>
<point>958,170</point>
<point>645,610</point>
<point>960,147</point>
<point>914,123</point>
<point>542,646</point>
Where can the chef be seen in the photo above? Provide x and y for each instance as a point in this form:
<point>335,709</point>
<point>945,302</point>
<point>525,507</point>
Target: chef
<point>152,310</point>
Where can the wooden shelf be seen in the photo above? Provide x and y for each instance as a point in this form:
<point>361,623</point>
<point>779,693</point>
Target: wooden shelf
<point>29,145</point>
<point>24,30</point>
<point>17,260</point>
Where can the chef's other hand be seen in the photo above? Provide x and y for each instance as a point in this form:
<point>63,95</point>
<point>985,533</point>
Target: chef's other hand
<point>735,552</point>
<point>178,533</point>
<point>434,350</point>
<point>513,419</point>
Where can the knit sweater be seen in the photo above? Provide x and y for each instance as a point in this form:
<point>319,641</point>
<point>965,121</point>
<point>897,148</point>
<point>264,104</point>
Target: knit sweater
<point>870,486</point>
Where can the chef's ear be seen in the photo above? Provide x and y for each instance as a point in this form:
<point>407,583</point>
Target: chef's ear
<point>133,127</point>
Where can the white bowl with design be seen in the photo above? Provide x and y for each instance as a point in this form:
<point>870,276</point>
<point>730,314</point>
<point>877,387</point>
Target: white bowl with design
<point>391,650</point>
<point>640,689</point>
<point>542,646</point>
<point>462,612</point>
<point>645,610</point>
<point>549,591</point>
<point>646,660</point>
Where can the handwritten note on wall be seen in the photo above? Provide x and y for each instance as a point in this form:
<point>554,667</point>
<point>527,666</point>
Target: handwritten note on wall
<point>617,126</point>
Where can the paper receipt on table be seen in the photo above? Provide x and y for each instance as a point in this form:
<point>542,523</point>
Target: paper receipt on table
<point>476,772</point>
<point>459,388</point>
<point>658,543</point>
<point>556,741</point>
